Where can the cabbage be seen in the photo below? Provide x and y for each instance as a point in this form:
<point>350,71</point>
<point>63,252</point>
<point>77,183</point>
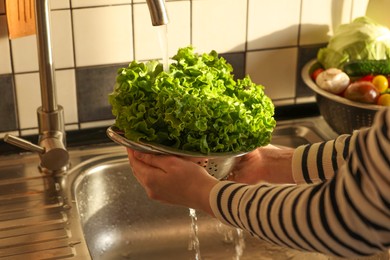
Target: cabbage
<point>362,39</point>
<point>196,106</point>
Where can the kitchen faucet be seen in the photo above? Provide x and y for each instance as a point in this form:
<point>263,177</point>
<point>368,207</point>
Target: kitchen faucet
<point>158,12</point>
<point>51,126</point>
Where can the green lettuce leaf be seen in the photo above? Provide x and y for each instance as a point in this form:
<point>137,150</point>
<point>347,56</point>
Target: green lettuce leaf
<point>196,106</point>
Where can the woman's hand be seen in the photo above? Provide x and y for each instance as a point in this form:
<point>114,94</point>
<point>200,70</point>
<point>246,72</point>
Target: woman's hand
<point>173,180</point>
<point>270,164</point>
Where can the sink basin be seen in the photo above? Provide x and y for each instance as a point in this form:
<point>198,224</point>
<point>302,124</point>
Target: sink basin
<point>120,222</point>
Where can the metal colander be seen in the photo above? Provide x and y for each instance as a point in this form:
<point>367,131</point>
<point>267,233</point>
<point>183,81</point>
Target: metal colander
<point>343,115</point>
<point>218,165</point>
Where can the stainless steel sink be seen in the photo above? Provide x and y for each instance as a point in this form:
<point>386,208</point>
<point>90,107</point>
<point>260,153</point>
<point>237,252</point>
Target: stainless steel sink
<point>97,210</point>
<point>120,222</point>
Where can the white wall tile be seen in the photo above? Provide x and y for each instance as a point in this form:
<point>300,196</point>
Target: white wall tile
<point>267,30</point>
<point>359,8</point>
<point>28,94</point>
<point>62,39</point>
<point>16,133</point>
<point>103,35</point>
<point>103,123</point>
<point>219,25</point>
<point>147,42</point>
<point>24,50</point>
<point>320,17</point>
<point>66,94</point>
<point>379,11</point>
<point>144,1</point>
<point>25,54</point>
<point>86,3</point>
<point>275,70</point>
<point>59,4</point>
<point>29,132</point>
<point>5,60</point>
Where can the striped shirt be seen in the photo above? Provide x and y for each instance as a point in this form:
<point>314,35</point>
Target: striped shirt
<point>340,207</point>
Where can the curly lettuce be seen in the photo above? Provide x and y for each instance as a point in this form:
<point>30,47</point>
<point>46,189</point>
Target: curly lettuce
<point>197,106</point>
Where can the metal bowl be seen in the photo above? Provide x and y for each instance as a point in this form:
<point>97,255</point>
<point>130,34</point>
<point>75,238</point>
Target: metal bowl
<point>343,115</point>
<point>218,165</point>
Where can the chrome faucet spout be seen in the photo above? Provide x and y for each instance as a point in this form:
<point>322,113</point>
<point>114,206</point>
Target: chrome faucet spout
<point>158,12</point>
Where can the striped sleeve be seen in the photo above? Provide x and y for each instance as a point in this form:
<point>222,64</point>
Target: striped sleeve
<point>320,161</point>
<point>347,215</point>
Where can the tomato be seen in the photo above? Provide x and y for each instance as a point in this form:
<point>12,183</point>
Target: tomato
<point>381,83</point>
<point>362,91</point>
<point>315,73</point>
<point>384,100</point>
<point>367,78</point>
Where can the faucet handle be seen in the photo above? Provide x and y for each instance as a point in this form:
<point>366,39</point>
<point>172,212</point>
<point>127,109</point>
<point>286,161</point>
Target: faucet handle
<point>54,156</point>
<point>24,144</point>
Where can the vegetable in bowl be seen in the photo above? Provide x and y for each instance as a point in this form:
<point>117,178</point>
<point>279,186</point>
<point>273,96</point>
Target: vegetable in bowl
<point>195,106</point>
<point>361,40</point>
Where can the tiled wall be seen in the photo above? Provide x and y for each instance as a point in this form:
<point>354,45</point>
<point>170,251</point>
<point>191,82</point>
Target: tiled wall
<point>267,39</point>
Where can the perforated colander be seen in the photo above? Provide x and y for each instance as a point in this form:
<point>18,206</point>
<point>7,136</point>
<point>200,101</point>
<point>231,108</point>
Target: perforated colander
<point>343,115</point>
<point>218,165</point>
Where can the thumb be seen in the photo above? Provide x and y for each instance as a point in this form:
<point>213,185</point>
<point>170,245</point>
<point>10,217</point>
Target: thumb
<point>154,160</point>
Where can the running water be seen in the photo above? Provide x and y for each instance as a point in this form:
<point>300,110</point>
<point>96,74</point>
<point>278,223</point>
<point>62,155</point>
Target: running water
<point>193,243</point>
<point>239,244</point>
<point>233,236</point>
<point>194,239</point>
<point>163,40</point>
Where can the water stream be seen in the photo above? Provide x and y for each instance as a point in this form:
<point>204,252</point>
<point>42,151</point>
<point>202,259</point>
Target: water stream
<point>163,40</point>
<point>193,243</point>
<point>234,236</point>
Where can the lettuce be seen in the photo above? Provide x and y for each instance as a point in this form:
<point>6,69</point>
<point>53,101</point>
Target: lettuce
<point>196,106</point>
<point>362,39</point>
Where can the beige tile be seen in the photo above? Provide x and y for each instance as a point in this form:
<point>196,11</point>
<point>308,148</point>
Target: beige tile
<point>59,4</point>
<point>103,35</point>
<point>283,102</point>
<point>359,8</point>
<point>103,123</point>
<point>320,17</point>
<point>273,23</point>
<point>71,127</point>
<point>62,39</point>
<point>144,1</point>
<point>66,94</point>
<point>219,25</point>
<point>379,11</point>
<point>275,70</point>
<point>9,132</point>
<point>28,94</point>
<point>5,60</point>
<point>86,3</point>
<point>25,54</point>
<point>147,37</point>
<point>24,50</point>
<point>26,132</point>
